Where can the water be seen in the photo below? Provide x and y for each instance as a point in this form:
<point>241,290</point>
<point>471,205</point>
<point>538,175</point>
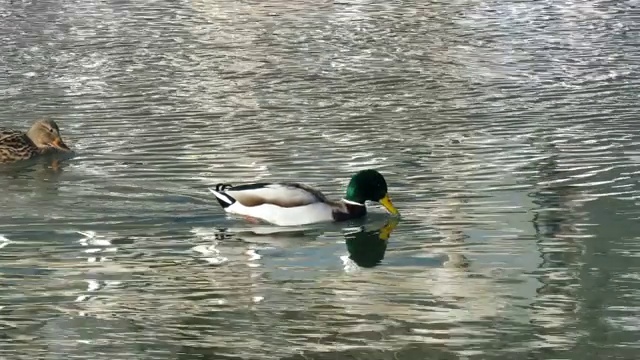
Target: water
<point>507,131</point>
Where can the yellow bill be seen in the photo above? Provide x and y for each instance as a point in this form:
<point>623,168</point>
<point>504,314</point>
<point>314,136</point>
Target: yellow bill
<point>386,202</point>
<point>385,232</point>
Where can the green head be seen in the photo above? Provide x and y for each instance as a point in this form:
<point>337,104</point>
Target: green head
<point>369,185</point>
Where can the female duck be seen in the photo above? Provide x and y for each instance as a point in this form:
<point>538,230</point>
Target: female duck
<point>42,138</point>
<point>289,204</point>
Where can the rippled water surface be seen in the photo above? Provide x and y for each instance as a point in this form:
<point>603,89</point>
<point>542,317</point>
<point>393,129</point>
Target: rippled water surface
<point>508,132</point>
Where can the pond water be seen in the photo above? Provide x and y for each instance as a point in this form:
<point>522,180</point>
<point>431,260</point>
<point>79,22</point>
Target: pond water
<point>507,131</point>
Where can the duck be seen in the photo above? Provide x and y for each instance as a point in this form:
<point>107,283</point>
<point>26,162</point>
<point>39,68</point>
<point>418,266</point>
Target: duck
<point>42,138</point>
<point>294,204</point>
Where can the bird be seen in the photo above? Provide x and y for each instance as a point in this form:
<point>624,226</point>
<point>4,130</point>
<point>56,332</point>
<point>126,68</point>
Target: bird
<point>42,138</point>
<point>293,204</point>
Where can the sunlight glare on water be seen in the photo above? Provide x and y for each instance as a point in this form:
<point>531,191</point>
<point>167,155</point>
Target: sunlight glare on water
<point>507,132</point>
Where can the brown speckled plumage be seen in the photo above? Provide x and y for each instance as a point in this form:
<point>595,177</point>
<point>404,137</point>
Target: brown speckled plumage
<point>43,137</point>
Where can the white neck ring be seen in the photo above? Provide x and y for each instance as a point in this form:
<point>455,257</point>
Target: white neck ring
<point>352,202</point>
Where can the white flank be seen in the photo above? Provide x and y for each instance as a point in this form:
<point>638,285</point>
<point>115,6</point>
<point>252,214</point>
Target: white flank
<point>311,209</point>
<point>299,215</point>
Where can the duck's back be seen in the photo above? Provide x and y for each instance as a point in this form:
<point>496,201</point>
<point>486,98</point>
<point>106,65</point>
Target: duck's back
<point>15,145</point>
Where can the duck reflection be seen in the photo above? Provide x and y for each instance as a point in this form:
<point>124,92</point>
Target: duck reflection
<point>367,247</point>
<point>366,244</point>
<point>45,169</point>
<point>32,183</point>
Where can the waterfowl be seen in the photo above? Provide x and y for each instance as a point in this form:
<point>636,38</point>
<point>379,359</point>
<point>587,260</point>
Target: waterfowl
<point>291,204</point>
<point>43,137</point>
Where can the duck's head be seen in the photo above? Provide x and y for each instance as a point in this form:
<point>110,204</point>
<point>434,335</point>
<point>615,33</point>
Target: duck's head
<point>369,185</point>
<point>46,134</point>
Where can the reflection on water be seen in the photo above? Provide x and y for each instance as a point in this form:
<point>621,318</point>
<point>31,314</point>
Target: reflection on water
<point>507,132</point>
<point>367,247</point>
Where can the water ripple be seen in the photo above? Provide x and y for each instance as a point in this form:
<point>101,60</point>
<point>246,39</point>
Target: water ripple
<point>507,132</point>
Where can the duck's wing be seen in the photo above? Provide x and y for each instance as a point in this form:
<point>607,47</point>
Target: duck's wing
<point>9,137</point>
<point>280,194</point>
<point>15,145</point>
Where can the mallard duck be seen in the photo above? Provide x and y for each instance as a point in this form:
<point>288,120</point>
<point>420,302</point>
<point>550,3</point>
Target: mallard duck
<point>290,204</point>
<point>42,137</point>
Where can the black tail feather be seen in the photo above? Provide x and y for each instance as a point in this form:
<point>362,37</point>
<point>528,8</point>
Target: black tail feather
<point>223,203</point>
<point>222,186</point>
